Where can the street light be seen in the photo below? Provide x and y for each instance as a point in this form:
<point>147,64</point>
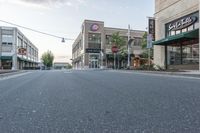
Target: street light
<point>63,40</point>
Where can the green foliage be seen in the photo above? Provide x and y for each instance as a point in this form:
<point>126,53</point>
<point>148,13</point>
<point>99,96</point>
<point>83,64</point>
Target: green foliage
<point>47,58</point>
<point>144,41</point>
<point>117,40</point>
<point>69,66</point>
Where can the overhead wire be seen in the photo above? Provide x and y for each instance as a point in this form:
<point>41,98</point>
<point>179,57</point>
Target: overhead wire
<point>37,31</point>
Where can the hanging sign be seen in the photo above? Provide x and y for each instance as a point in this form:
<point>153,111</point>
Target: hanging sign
<point>151,28</point>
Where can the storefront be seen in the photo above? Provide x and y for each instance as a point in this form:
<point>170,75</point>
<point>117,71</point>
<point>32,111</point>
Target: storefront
<point>92,47</point>
<point>181,43</point>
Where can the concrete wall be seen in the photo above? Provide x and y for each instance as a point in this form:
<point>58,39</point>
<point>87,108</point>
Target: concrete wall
<point>165,12</point>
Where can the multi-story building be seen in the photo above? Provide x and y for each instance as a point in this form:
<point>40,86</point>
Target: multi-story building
<point>177,34</point>
<point>92,48</point>
<point>61,65</point>
<point>16,51</point>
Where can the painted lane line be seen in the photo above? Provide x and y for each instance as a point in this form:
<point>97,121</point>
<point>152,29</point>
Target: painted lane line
<point>14,76</point>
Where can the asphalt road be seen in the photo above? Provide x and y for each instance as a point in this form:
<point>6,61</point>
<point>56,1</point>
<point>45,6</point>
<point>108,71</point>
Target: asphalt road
<point>99,102</point>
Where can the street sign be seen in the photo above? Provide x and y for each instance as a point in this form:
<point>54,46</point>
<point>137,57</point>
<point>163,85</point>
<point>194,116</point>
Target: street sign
<point>92,50</point>
<point>114,49</point>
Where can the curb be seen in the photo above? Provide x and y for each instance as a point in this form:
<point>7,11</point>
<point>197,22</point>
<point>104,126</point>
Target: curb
<point>6,74</point>
<point>186,74</point>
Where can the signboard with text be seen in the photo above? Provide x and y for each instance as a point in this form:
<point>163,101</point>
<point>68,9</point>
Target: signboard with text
<point>151,27</point>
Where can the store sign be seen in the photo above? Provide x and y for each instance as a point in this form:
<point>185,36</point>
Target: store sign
<point>22,51</point>
<point>94,27</point>
<point>182,23</point>
<point>91,50</point>
<point>151,28</point>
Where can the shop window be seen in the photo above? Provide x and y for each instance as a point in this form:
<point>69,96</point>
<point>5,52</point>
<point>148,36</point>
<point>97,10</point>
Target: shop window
<point>7,39</point>
<point>178,32</point>
<point>173,33</point>
<point>191,28</point>
<point>174,55</point>
<point>196,25</point>
<point>191,54</point>
<point>184,30</point>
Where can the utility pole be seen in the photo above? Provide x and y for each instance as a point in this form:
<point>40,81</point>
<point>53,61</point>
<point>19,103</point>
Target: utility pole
<point>129,46</point>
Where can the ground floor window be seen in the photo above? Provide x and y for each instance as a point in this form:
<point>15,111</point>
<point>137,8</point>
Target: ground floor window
<point>183,54</point>
<point>6,64</point>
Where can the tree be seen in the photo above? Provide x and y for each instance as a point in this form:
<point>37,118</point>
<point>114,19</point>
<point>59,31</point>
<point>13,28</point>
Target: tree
<point>47,58</point>
<point>118,41</point>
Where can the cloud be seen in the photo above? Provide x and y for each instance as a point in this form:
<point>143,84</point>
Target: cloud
<point>55,3</point>
<point>45,4</point>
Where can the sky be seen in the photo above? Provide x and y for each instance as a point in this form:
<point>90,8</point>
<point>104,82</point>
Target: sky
<point>64,18</point>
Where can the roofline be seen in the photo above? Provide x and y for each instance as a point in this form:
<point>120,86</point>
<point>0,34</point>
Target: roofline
<point>123,29</point>
<point>87,20</point>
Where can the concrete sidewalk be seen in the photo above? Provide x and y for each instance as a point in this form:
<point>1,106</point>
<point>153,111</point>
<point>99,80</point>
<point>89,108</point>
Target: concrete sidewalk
<point>7,71</point>
<point>188,73</point>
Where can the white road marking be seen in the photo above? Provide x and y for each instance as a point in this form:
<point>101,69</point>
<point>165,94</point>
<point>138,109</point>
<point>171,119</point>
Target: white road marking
<point>14,76</point>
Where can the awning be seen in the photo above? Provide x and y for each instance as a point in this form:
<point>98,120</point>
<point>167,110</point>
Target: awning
<point>6,57</point>
<point>190,35</point>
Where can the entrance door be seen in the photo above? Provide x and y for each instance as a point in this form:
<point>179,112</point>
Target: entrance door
<point>94,61</point>
<point>94,64</point>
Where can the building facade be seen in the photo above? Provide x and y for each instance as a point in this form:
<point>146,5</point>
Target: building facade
<point>92,48</point>
<point>61,65</point>
<point>177,34</point>
<point>16,51</point>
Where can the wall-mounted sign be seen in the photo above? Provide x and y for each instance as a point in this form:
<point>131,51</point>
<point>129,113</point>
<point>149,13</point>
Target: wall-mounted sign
<point>92,50</point>
<point>151,28</point>
<point>22,51</point>
<point>182,23</point>
<point>94,27</point>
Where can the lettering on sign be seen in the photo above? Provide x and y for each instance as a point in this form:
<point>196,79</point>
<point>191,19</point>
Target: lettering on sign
<point>182,23</point>
<point>91,50</point>
<point>152,28</point>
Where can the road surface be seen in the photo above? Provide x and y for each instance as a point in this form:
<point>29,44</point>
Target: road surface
<point>98,102</point>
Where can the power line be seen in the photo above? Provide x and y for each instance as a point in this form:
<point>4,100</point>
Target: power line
<point>35,30</point>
